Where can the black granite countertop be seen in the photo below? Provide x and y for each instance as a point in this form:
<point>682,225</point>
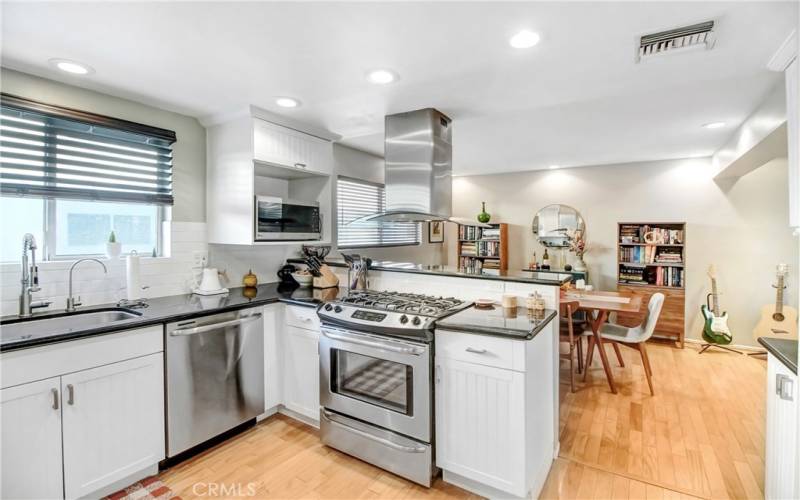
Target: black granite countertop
<point>169,309</point>
<point>453,271</point>
<point>514,323</point>
<point>783,349</point>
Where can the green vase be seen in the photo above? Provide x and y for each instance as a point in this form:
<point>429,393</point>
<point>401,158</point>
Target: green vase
<point>483,217</point>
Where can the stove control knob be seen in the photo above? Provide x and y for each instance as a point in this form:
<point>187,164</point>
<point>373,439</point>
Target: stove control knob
<point>337,309</point>
<point>328,307</point>
<point>403,319</point>
<point>416,320</point>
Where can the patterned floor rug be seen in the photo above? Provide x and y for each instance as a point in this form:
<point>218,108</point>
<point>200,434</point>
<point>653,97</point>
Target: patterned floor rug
<point>146,489</point>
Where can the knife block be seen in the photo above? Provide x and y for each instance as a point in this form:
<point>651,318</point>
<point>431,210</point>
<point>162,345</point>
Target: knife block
<point>327,280</point>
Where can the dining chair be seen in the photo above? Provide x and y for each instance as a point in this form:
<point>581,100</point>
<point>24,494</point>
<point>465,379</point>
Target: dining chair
<point>567,334</point>
<point>634,337</point>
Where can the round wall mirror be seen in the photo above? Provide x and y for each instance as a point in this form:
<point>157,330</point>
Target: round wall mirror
<point>555,225</point>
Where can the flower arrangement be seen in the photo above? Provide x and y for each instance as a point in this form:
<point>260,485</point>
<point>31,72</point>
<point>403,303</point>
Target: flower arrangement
<point>577,244</point>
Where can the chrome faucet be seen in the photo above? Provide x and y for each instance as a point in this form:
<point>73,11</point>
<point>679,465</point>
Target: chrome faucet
<point>71,302</point>
<point>30,279</point>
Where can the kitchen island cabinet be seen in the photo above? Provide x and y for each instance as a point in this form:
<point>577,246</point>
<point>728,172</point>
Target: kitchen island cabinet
<point>495,396</point>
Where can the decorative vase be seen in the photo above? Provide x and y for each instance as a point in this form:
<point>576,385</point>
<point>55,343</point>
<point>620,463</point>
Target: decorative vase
<point>483,217</point>
<point>113,249</point>
<point>580,265</point>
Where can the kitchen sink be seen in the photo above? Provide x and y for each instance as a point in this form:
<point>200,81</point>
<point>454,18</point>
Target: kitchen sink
<point>45,326</point>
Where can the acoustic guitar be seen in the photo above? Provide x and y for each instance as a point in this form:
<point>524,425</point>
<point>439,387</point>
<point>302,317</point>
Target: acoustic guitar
<point>777,320</point>
<point>715,328</point>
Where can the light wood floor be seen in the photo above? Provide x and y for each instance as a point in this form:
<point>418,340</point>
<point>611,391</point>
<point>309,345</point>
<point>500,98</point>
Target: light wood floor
<point>702,435</point>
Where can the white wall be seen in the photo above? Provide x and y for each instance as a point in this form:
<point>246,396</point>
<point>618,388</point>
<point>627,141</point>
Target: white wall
<point>741,226</point>
<point>189,151</point>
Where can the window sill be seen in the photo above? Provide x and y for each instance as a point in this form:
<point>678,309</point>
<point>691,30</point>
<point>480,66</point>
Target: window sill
<point>66,263</point>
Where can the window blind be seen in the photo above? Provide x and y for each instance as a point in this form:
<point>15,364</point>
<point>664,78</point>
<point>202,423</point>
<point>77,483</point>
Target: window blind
<point>356,199</point>
<point>54,152</point>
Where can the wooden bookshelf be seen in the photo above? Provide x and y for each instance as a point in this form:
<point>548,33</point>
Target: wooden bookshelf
<point>483,248</point>
<point>651,258</point>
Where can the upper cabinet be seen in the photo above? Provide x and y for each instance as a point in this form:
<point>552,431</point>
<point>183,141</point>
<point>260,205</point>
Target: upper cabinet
<point>284,147</point>
<point>260,154</point>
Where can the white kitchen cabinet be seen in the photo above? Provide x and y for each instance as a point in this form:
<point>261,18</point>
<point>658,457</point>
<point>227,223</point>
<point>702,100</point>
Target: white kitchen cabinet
<point>301,375</point>
<point>480,412</point>
<point>495,434</point>
<point>30,449</point>
<point>113,422</point>
<point>301,362</point>
<point>286,147</point>
<point>782,422</point>
<point>84,417</point>
<point>250,156</point>
<point>273,362</point>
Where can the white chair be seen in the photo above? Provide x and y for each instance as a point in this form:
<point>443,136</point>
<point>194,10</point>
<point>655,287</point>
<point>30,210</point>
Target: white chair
<point>634,338</point>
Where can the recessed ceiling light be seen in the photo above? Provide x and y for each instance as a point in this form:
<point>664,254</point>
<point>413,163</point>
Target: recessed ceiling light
<point>381,76</point>
<point>287,102</point>
<point>714,125</point>
<point>72,67</point>
<point>554,167</point>
<point>524,39</point>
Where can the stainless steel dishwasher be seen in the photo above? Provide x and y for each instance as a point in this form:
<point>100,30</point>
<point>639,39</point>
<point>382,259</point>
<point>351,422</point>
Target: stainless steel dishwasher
<point>215,376</point>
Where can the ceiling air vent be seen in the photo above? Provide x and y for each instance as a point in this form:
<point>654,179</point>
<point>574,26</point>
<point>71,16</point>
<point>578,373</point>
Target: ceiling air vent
<point>696,36</point>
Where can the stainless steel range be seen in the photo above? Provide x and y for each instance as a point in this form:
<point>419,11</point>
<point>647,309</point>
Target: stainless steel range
<point>376,392</point>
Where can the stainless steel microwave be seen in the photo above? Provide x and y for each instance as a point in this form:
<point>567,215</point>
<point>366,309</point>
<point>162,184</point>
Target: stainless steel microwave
<point>277,219</point>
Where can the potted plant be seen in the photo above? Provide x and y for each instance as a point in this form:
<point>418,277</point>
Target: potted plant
<point>113,247</point>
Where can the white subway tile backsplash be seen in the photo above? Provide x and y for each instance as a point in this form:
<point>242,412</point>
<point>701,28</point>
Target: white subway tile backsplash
<point>164,275</point>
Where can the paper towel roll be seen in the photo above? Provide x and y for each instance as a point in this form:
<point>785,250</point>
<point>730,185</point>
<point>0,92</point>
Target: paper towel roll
<point>132,288</point>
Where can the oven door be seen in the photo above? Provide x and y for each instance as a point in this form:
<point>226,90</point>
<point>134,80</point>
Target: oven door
<point>383,381</point>
<point>276,220</point>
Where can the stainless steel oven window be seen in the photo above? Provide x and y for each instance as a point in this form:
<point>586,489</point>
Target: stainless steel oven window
<point>380,382</point>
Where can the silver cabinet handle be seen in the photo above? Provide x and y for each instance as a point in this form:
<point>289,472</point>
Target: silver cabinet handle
<point>70,394</point>
<point>399,447</point>
<point>784,387</point>
<point>389,346</point>
<point>54,392</point>
<point>476,351</point>
<point>216,326</point>
<point>300,165</point>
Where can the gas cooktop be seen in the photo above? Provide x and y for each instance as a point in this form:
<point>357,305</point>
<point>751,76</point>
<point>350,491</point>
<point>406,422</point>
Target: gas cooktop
<point>392,313</point>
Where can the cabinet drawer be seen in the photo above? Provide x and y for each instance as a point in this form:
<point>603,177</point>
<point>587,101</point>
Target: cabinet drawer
<point>481,350</point>
<point>36,363</point>
<point>302,317</point>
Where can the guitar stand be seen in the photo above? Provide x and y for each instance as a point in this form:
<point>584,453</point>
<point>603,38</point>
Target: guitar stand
<point>706,346</point>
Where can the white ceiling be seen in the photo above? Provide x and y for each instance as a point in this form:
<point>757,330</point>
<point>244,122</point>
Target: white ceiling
<point>576,99</point>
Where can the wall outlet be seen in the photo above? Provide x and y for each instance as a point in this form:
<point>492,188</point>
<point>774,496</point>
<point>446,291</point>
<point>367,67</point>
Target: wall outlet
<point>199,259</point>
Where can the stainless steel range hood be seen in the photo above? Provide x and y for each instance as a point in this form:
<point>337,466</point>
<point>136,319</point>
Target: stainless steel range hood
<point>419,166</point>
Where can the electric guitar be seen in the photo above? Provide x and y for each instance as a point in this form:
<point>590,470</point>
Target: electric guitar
<point>715,329</point>
<point>777,320</point>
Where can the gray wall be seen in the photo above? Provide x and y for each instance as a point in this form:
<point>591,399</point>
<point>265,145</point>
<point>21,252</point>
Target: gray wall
<point>741,226</point>
<point>360,165</point>
<point>189,162</point>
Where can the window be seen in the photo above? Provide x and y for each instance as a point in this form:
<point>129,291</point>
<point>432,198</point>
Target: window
<point>70,178</point>
<point>355,199</point>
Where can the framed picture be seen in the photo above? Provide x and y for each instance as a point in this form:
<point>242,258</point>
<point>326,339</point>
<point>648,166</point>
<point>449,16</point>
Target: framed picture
<point>436,232</point>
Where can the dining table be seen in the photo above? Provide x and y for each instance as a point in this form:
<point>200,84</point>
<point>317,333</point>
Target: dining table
<point>598,305</point>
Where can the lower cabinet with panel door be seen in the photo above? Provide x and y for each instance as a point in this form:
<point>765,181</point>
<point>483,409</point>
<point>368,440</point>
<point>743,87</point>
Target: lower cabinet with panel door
<point>495,434</point>
<point>89,427</point>
<point>301,363</point>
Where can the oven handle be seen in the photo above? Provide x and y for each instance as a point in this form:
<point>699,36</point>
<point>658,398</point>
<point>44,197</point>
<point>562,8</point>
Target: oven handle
<point>329,417</point>
<point>389,346</point>
<point>215,326</point>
